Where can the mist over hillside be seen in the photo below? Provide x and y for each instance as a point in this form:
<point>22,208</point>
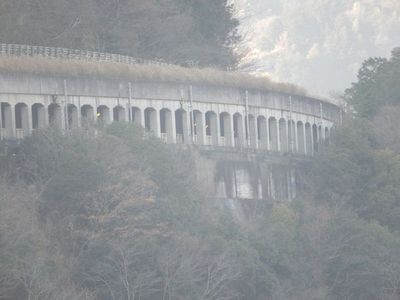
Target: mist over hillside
<point>315,43</point>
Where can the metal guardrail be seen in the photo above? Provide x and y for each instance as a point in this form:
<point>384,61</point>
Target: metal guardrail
<point>17,50</point>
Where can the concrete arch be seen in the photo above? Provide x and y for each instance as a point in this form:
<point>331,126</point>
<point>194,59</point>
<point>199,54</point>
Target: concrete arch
<point>315,138</point>
<point>238,129</point>
<point>321,134</point>
<point>136,114</point>
<point>103,114</point>
<point>283,135</point>
<point>252,132</point>
<point>119,114</point>
<point>198,127</point>
<point>21,120</point>
<point>262,132</point>
<point>226,130</point>
<point>182,126</point>
<point>301,138</point>
<point>38,116</point>
<point>211,128</point>
<point>166,126</point>
<point>55,116</point>
<point>151,121</point>
<point>327,135</point>
<point>72,117</point>
<point>7,122</point>
<point>273,134</point>
<point>87,115</point>
<point>308,139</point>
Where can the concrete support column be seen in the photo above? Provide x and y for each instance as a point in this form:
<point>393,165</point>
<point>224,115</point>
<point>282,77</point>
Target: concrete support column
<point>64,113</point>
<point>255,132</point>
<point>79,116</point>
<point>218,129</point>
<point>142,117</point>
<point>312,140</point>
<point>29,125</point>
<point>245,142</point>
<point>157,130</point>
<point>305,139</point>
<point>46,115</point>
<point>173,125</point>
<point>203,134</point>
<point>287,136</point>
<point>268,143</point>
<point>231,131</point>
<point>12,123</point>
<point>187,128</point>
<point>278,135</point>
<point>296,137</point>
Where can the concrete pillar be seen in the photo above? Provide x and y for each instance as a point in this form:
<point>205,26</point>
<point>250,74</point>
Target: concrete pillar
<point>173,127</point>
<point>12,122</point>
<point>278,135</point>
<point>46,116</point>
<point>30,120</point>
<point>218,129</point>
<point>305,139</point>
<point>296,136</point>
<point>157,124</point>
<point>79,117</point>
<point>231,131</point>
<point>267,140</point>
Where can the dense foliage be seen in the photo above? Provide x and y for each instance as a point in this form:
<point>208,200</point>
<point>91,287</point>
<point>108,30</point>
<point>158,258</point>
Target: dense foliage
<point>116,216</point>
<point>119,217</point>
<point>378,85</point>
<point>180,31</point>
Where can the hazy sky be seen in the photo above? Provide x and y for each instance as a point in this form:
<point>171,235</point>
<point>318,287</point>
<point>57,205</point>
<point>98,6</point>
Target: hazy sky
<point>318,44</point>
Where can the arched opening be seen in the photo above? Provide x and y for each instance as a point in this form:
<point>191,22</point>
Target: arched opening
<point>6,121</point>
<point>238,130</point>
<point>320,134</point>
<point>327,135</point>
<point>103,114</point>
<point>252,132</point>
<point>198,127</point>
<point>181,126</point>
<point>119,114</point>
<point>167,133</point>
<point>136,116</point>
<point>273,134</point>
<point>21,120</point>
<point>283,137</point>
<point>225,130</point>
<point>38,116</point>
<point>150,120</point>
<point>55,116</point>
<point>72,116</point>
<point>309,145</point>
<point>211,128</point>
<point>315,138</point>
<point>87,115</point>
<point>301,138</point>
<point>262,133</point>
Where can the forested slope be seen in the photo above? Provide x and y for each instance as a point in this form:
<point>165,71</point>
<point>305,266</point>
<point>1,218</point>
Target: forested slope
<point>119,217</point>
<point>179,31</point>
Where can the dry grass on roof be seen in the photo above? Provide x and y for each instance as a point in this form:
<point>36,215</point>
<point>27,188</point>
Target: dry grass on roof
<point>161,73</point>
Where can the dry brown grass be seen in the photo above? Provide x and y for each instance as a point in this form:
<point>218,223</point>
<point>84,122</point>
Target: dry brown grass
<point>160,73</point>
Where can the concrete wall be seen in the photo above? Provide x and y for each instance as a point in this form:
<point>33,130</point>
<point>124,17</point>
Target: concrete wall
<point>243,138</point>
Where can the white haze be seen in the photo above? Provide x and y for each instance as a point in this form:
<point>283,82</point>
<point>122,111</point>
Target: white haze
<point>318,44</point>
